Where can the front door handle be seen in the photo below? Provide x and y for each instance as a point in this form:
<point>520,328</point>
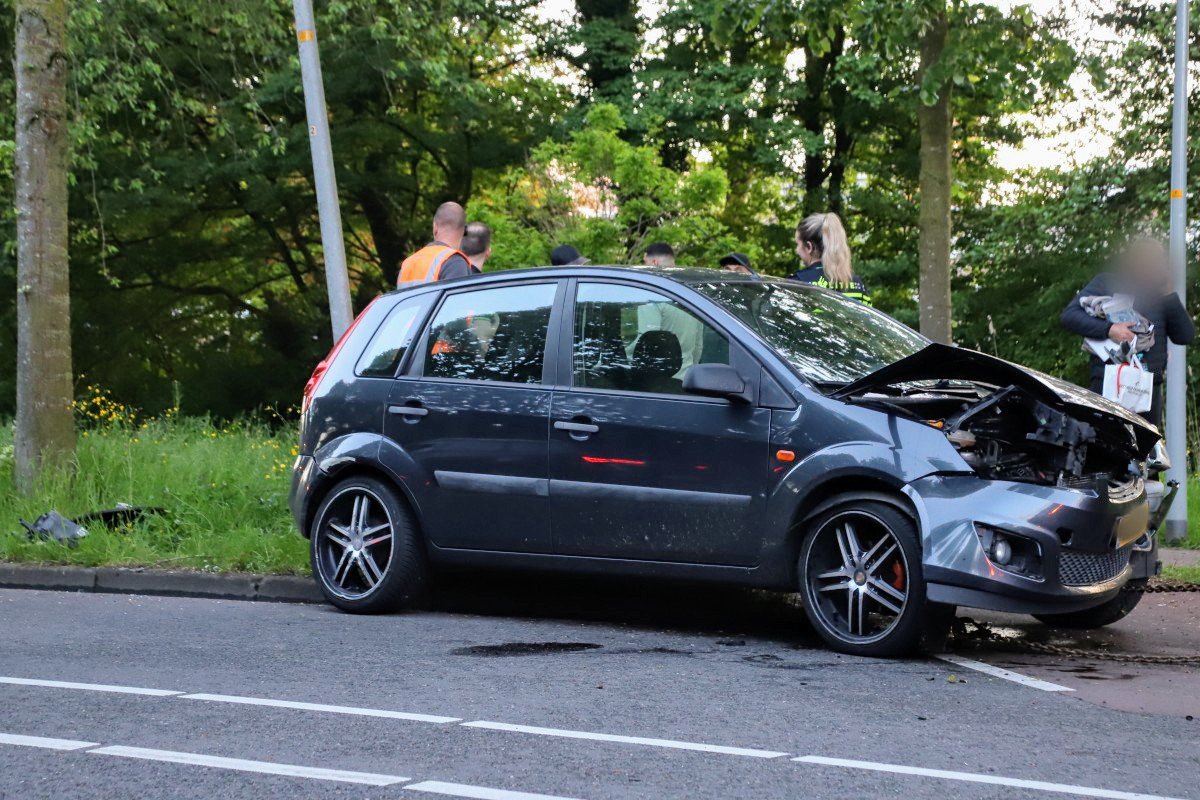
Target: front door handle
<point>408,411</point>
<point>576,427</point>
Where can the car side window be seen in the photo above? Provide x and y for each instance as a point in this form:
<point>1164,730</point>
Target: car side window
<point>637,340</point>
<point>491,334</point>
<point>387,347</point>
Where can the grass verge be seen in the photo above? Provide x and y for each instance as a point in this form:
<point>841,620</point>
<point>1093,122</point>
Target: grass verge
<point>225,489</point>
<point>1185,574</point>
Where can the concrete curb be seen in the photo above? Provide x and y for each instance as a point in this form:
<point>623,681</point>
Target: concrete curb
<point>233,586</point>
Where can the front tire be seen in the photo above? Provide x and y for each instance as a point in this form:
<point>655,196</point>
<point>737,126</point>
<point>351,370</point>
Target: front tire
<point>364,548</point>
<point>1116,609</point>
<point>860,573</point>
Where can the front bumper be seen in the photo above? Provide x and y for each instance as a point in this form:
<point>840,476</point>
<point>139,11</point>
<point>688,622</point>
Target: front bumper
<point>1086,542</point>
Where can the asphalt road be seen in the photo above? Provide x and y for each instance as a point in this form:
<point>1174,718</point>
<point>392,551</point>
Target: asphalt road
<point>720,693</point>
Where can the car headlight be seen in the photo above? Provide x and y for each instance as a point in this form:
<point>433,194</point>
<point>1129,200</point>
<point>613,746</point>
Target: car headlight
<point>1011,552</point>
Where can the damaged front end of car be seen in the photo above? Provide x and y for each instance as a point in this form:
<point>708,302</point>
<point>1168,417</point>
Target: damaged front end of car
<point>1050,512</point>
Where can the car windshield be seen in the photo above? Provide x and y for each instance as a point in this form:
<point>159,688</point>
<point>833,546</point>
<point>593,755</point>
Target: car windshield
<point>830,339</point>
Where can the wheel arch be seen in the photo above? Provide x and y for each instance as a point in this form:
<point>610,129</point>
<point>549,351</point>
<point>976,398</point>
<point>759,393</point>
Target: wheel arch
<point>834,491</point>
<point>355,469</point>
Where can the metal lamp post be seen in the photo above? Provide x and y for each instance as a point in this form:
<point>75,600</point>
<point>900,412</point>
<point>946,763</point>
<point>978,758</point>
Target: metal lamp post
<point>1177,523</point>
<point>337,281</point>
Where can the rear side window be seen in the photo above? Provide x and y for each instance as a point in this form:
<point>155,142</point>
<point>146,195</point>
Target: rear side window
<point>389,344</point>
<point>491,334</point>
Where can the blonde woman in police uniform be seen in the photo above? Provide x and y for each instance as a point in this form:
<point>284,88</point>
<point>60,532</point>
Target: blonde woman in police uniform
<point>822,245</point>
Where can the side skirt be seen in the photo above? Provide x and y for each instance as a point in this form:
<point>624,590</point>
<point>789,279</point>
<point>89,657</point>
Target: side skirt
<point>562,564</point>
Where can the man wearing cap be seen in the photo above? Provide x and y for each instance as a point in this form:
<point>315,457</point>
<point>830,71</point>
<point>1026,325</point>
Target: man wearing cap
<point>737,262</point>
<point>566,256</point>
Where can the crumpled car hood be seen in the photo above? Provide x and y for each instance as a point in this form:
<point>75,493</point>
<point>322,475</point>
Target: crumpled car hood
<point>944,362</point>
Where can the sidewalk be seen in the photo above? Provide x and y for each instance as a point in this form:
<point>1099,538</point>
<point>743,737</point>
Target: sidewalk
<point>1179,557</point>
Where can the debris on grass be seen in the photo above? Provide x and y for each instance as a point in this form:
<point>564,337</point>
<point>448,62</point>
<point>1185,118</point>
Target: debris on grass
<point>53,526</point>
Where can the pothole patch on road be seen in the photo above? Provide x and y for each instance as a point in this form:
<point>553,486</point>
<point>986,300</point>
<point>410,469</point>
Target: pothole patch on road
<point>524,649</point>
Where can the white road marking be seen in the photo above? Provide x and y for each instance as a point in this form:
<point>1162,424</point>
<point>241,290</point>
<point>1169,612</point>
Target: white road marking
<point>609,737</point>
<point>41,741</point>
<point>1019,783</point>
<point>1008,675</point>
<point>243,765</point>
<point>362,712</point>
<point>91,687</point>
<point>273,768</point>
<point>480,792</point>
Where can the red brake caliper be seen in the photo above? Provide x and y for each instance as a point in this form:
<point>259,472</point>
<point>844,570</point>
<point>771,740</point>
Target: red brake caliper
<point>898,571</point>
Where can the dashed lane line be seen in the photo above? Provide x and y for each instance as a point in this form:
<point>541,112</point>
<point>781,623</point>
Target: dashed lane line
<point>244,765</point>
<point>437,787</point>
<point>89,687</point>
<point>489,793</point>
<point>480,792</point>
<point>361,712</point>
<point>43,742</point>
<point>1006,674</point>
<point>643,741</point>
<point>639,740</point>
<point>466,790</point>
<point>972,777</point>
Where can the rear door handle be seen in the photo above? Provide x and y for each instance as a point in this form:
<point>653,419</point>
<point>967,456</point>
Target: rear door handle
<point>408,411</point>
<point>576,427</point>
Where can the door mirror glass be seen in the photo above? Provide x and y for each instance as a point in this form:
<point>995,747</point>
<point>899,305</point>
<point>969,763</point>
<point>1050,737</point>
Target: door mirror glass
<point>716,380</point>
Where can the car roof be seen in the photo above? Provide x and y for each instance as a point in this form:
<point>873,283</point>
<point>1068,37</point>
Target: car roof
<point>683,275</point>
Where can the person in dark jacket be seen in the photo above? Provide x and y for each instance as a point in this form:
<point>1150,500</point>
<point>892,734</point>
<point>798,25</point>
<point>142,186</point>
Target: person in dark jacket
<point>1141,272</point>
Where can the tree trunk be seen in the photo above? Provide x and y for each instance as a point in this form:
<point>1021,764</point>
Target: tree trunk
<point>813,120</point>
<point>739,147</point>
<point>934,240</point>
<point>45,433</point>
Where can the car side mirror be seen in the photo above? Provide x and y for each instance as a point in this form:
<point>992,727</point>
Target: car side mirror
<point>716,380</point>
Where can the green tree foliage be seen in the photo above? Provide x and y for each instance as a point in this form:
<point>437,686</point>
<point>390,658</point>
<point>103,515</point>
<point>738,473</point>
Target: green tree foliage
<point>196,249</point>
<point>1027,254</point>
<point>713,124</point>
<point>606,196</point>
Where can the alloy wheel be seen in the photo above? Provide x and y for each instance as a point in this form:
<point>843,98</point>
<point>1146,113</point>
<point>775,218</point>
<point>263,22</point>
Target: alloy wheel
<point>857,577</point>
<point>355,546</point>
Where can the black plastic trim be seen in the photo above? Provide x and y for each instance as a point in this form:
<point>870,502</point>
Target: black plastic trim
<point>642,494</point>
<point>492,484</point>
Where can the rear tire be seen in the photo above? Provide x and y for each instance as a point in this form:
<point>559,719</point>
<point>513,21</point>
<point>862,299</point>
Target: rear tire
<point>860,574</point>
<point>364,548</point>
<point>1107,613</point>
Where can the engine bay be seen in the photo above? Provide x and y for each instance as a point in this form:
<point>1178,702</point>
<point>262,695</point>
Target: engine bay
<point>1007,434</point>
<point>1012,423</point>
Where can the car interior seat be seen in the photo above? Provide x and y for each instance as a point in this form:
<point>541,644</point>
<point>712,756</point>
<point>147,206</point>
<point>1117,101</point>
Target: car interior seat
<point>657,356</point>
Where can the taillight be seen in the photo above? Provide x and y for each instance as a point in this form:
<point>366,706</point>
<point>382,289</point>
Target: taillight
<point>314,380</point>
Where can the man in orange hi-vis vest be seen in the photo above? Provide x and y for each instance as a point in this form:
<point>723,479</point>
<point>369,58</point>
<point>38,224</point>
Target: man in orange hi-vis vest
<point>440,259</point>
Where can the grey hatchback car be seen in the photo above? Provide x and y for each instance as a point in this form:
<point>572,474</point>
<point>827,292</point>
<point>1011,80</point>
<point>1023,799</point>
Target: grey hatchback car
<point>708,426</point>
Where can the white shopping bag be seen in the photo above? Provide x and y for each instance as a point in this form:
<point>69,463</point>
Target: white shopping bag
<point>1129,385</point>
